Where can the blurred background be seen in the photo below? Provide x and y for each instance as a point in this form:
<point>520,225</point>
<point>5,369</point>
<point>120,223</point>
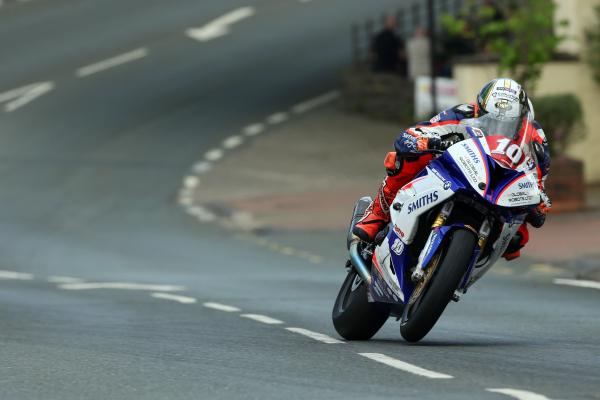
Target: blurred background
<point>176,179</point>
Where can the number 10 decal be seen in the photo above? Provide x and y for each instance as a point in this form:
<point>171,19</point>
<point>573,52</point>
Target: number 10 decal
<point>513,152</point>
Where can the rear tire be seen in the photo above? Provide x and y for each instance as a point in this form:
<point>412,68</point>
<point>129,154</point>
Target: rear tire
<point>354,318</point>
<point>425,312</point>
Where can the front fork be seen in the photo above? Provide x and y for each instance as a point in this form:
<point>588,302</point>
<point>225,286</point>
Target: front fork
<point>435,239</point>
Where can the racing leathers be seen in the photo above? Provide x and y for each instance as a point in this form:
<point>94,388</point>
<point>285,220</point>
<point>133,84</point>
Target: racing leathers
<point>410,157</point>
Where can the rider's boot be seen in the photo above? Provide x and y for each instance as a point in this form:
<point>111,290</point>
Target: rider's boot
<point>377,215</point>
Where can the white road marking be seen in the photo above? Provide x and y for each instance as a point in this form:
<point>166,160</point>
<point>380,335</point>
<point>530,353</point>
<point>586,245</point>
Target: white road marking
<point>233,142</point>
<point>262,318</point>
<point>214,155</point>
<point>578,283</point>
<point>254,129</point>
<point>19,276</point>
<point>202,214</point>
<point>63,279</point>
<point>112,62</point>
<point>315,335</point>
<point>202,167</point>
<point>191,181</point>
<point>179,299</point>
<point>120,285</point>
<point>277,118</point>
<point>220,26</point>
<point>404,366</point>
<point>316,102</point>
<point>17,98</point>
<point>519,394</point>
<point>221,307</point>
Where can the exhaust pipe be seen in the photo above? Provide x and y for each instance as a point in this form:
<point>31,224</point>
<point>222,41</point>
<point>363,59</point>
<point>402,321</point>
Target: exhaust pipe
<point>359,263</point>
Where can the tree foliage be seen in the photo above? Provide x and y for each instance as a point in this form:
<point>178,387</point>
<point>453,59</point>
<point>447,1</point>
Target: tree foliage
<point>562,118</point>
<point>593,51</point>
<point>520,34</point>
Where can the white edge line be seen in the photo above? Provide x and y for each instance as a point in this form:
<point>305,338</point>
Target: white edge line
<point>221,307</point>
<point>121,286</point>
<point>404,366</point>
<point>112,62</point>
<point>315,336</point>
<point>179,299</point>
<point>20,276</point>
<point>577,283</point>
<point>519,394</point>
<point>262,318</point>
<point>318,101</point>
<point>63,279</point>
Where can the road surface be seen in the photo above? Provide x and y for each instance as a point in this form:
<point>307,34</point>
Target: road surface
<point>108,289</point>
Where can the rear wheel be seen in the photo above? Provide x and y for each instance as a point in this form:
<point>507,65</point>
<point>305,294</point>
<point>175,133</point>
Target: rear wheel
<point>422,315</point>
<point>354,318</point>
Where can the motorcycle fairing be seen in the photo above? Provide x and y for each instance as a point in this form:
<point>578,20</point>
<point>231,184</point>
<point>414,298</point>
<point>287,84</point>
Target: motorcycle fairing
<point>386,284</point>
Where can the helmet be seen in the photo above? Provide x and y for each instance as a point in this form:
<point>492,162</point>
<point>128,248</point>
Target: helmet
<point>505,102</point>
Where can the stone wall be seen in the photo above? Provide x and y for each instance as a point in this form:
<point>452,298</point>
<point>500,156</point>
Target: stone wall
<point>377,95</point>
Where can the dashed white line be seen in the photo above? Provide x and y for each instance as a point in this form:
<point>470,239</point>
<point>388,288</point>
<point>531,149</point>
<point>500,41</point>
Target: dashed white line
<point>316,102</point>
<point>191,181</point>
<point>220,26</point>
<point>202,167</point>
<point>233,142</point>
<point>277,118</point>
<point>179,299</point>
<point>578,283</point>
<point>519,394</point>
<point>316,336</point>
<point>112,62</point>
<point>17,98</point>
<point>221,307</point>
<point>202,214</point>
<point>214,155</point>
<point>404,366</point>
<point>19,276</point>
<point>120,285</point>
<point>63,279</point>
<point>262,318</point>
<point>254,129</point>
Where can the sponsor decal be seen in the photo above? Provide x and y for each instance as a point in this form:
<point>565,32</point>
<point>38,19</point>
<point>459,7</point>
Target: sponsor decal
<point>471,153</point>
<point>525,185</point>
<point>398,231</point>
<point>470,169</point>
<point>398,247</point>
<point>447,185</point>
<point>435,119</point>
<point>530,163</point>
<point>505,89</point>
<point>423,201</point>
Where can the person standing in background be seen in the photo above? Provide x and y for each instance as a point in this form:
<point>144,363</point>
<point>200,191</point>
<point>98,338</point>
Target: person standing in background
<point>388,49</point>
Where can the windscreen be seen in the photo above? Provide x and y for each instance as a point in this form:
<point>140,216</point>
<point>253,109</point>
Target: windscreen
<point>509,139</point>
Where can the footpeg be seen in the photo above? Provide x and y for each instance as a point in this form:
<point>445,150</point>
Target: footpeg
<point>417,275</point>
<point>456,296</point>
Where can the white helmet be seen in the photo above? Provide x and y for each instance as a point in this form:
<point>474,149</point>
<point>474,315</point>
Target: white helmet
<point>505,101</point>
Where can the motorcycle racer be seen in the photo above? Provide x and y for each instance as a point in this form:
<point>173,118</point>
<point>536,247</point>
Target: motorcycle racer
<point>501,101</point>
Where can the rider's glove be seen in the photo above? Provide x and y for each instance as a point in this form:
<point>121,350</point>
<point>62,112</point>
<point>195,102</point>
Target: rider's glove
<point>537,217</point>
<point>434,143</point>
<point>545,203</point>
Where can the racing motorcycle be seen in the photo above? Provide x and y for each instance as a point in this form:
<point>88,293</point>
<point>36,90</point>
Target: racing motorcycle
<point>448,227</point>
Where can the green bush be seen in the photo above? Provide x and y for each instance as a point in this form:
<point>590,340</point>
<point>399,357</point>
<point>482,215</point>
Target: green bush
<point>561,117</point>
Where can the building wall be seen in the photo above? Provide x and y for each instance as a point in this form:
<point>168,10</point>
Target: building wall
<point>558,77</point>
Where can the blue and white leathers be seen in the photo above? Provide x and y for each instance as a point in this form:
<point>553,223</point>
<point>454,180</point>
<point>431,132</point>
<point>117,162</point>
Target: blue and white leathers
<point>469,169</point>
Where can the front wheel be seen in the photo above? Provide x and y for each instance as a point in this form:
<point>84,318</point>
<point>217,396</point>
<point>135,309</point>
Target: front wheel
<point>422,315</point>
<point>354,318</point>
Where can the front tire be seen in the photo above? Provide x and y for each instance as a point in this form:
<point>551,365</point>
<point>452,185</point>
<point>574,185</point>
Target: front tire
<point>354,318</point>
<point>420,318</point>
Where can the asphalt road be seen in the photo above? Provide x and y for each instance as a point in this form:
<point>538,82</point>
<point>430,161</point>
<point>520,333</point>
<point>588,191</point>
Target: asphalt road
<point>90,172</point>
